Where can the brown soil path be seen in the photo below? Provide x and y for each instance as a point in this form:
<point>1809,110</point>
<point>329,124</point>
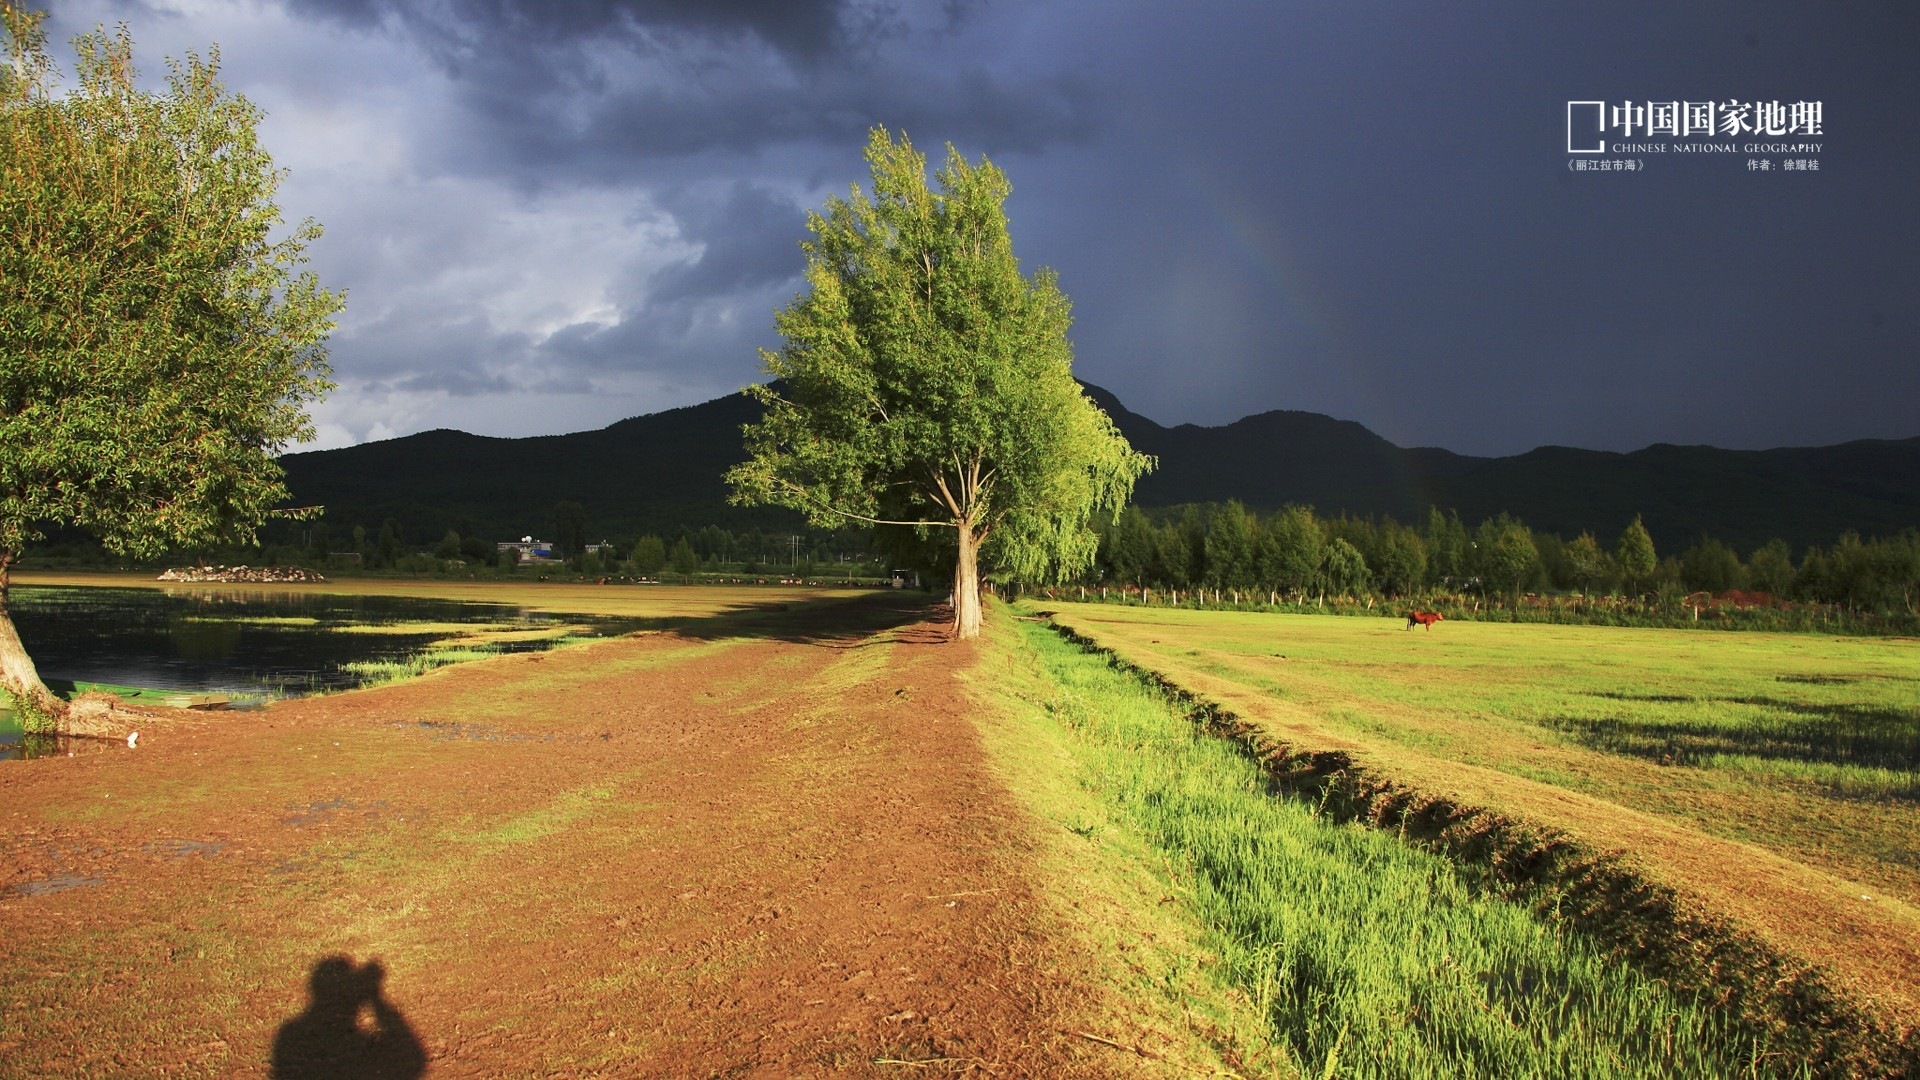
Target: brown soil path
<point>773,851</point>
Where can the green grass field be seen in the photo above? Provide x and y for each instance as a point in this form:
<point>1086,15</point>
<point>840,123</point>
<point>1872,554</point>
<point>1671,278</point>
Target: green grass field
<point>1364,956</point>
<point>1771,779</point>
<point>1806,745</point>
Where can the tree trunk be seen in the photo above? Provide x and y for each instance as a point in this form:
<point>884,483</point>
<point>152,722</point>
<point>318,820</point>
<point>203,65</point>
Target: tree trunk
<point>38,709</point>
<point>966,586</point>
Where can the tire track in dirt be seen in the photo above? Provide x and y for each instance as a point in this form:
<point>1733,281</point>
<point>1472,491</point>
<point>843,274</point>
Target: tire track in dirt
<point>671,855</point>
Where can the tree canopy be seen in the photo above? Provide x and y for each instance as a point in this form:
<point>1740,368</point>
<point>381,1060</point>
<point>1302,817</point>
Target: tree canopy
<point>926,384</point>
<point>158,342</point>
<point>1634,552</point>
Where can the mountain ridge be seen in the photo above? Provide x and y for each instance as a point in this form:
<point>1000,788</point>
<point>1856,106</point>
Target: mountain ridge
<point>661,473</point>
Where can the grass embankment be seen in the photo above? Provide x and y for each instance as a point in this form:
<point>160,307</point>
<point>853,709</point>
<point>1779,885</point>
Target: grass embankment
<point>1299,944</point>
<point>1523,747</point>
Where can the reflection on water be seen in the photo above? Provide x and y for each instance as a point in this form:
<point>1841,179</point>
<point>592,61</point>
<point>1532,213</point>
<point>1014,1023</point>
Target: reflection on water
<point>203,640</point>
<point>251,644</point>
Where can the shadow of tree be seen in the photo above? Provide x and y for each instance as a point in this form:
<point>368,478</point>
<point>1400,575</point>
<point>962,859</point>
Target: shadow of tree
<point>837,622</point>
<point>1845,733</point>
<point>349,1029</point>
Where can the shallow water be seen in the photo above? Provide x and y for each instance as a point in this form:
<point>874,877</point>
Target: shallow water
<point>249,645</point>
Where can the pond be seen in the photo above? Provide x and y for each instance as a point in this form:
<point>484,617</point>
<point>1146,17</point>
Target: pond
<point>240,647</point>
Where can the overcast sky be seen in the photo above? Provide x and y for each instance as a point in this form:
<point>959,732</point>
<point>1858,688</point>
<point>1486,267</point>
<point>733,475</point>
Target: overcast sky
<point>549,216</point>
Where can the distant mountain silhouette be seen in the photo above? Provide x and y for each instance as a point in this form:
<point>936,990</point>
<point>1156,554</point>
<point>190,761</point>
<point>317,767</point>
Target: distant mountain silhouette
<point>1743,497</point>
<point>662,473</point>
<point>659,474</point>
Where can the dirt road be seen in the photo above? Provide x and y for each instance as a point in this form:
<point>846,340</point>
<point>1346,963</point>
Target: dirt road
<point>769,848</point>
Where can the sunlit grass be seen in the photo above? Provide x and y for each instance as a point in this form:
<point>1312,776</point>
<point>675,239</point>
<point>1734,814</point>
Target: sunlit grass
<point>403,629</point>
<point>1367,957</point>
<point>1809,745</point>
<point>252,620</point>
<point>382,672</point>
<point>556,634</point>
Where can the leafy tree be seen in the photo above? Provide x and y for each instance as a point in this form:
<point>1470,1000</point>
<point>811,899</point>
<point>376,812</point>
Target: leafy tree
<point>319,547</point>
<point>1172,559</point>
<point>685,560</point>
<point>1898,559</point>
<point>1446,547</point>
<point>1814,579</point>
<point>157,346</point>
<point>1132,544</point>
<point>649,555</point>
<point>1507,553</point>
<point>1400,559</point>
<point>1635,554</point>
<point>1710,566</point>
<point>1293,550</point>
<point>1586,561</point>
<point>1343,569</point>
<point>713,542</point>
<point>1230,548</point>
<point>476,550</point>
<point>449,546</point>
<point>1192,529</point>
<point>1873,575</point>
<point>1668,581</point>
<point>1553,570</point>
<point>926,384</point>
<point>1770,568</point>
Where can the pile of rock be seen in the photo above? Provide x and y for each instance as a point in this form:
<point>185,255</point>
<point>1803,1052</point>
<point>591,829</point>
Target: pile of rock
<point>253,575</point>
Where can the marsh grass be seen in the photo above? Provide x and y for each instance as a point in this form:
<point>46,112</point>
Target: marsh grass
<point>1366,956</point>
<point>253,620</point>
<point>383,672</point>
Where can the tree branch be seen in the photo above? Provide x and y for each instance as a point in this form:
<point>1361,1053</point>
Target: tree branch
<point>823,505</point>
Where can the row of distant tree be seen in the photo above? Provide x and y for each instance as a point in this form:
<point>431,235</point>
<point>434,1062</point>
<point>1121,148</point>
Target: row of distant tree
<point>1293,552</point>
<point>1296,553</point>
<point>708,549</point>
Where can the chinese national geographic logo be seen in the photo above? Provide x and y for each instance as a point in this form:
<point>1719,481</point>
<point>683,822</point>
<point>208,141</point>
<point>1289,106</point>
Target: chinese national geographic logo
<point>1607,137</point>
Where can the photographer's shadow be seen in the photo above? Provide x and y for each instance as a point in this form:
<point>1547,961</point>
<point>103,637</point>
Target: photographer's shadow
<point>349,1029</point>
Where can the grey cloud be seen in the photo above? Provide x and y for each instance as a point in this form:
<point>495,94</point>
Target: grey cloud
<point>458,381</point>
<point>1350,209</point>
<point>610,93</point>
<point>797,27</point>
<point>752,240</point>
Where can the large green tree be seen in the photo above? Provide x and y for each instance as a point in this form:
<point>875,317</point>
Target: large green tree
<point>926,384</point>
<point>158,343</point>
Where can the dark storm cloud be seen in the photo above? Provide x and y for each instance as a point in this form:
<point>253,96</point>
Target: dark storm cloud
<point>799,28</point>
<point>1355,209</point>
<point>751,237</point>
<point>1366,212</point>
<point>602,92</point>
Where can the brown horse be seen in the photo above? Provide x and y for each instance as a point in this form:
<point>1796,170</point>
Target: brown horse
<point>1424,618</point>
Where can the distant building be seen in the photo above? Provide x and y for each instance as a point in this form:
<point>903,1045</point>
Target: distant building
<point>528,547</point>
<point>906,579</point>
